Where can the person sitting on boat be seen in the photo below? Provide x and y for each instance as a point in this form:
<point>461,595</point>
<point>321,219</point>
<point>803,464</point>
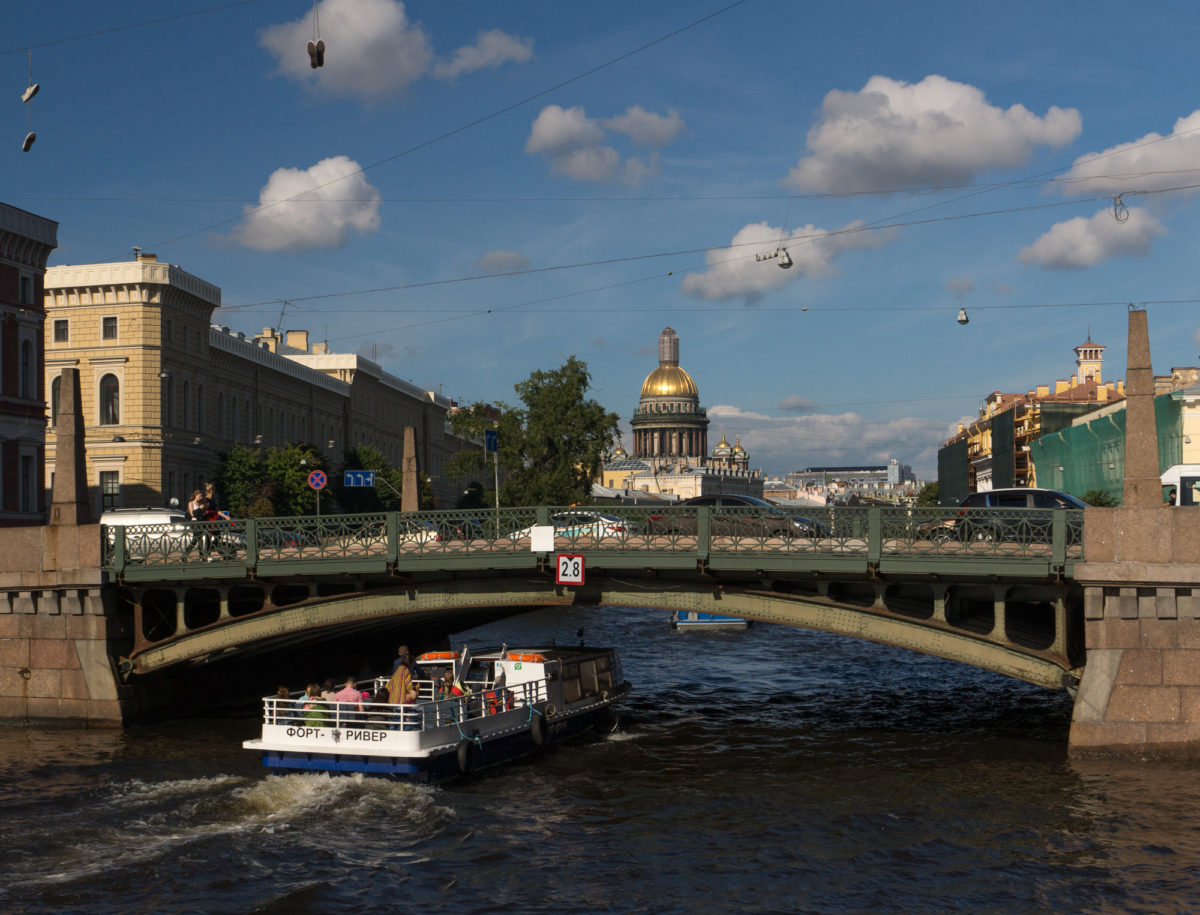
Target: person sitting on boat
<point>449,688</point>
<point>402,692</point>
<point>313,708</point>
<point>284,710</point>
<point>349,700</point>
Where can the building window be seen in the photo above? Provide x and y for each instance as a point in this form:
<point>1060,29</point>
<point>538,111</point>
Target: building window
<point>187,406</point>
<point>168,404</point>
<point>61,330</point>
<point>28,495</point>
<point>200,408</point>
<point>108,327</point>
<point>27,367</point>
<point>110,400</point>
<point>110,489</point>
<point>55,388</point>
<point>26,290</point>
<point>170,333</point>
<point>222,420</point>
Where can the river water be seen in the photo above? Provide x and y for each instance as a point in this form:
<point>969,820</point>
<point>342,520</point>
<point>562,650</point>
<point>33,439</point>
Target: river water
<point>766,770</point>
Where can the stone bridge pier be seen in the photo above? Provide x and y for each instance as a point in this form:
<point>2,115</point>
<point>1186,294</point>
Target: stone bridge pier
<point>1140,692</point>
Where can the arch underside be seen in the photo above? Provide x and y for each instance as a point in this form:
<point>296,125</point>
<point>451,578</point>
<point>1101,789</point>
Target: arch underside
<point>903,618</point>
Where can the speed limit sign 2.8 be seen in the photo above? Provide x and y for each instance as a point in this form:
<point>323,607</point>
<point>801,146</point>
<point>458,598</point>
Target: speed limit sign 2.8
<point>570,569</point>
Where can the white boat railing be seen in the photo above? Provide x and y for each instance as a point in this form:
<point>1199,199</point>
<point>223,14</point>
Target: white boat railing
<point>482,701</point>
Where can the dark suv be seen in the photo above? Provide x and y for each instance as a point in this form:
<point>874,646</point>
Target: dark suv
<point>1030,522</point>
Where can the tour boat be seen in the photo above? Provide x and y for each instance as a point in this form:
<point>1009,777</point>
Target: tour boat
<point>512,703</point>
<point>693,619</point>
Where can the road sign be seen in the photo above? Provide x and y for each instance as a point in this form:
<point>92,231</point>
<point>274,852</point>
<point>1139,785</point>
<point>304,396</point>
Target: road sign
<point>316,479</point>
<point>358,477</point>
<point>570,569</point>
<point>491,440</point>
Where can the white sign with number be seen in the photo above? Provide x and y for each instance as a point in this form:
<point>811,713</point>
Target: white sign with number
<point>570,569</point>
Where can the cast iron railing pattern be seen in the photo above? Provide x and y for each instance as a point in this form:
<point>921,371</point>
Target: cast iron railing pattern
<point>789,535</point>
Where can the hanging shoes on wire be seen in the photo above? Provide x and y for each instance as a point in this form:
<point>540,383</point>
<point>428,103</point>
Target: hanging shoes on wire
<point>30,91</point>
<point>316,53</point>
<point>316,47</point>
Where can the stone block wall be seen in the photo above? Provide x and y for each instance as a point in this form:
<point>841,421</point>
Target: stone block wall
<point>55,626</point>
<point>1140,693</point>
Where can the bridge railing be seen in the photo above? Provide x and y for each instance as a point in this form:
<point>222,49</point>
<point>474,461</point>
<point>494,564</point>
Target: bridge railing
<point>363,541</point>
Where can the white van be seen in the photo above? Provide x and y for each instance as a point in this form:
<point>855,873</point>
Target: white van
<point>1186,480</point>
<point>154,530</point>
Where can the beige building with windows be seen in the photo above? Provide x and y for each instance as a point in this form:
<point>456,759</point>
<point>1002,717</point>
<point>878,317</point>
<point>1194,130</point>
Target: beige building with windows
<point>165,392</point>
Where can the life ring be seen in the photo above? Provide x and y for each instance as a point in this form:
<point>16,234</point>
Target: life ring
<point>465,755</point>
<point>437,656</point>
<point>531,658</point>
<point>538,731</point>
<point>551,711</point>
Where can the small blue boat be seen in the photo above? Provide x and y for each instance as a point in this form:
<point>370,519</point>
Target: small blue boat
<point>693,619</point>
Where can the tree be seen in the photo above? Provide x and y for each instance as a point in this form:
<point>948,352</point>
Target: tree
<point>551,449</point>
<point>240,480</point>
<point>382,496</point>
<point>254,483</point>
<point>1101,498</point>
<point>930,494</point>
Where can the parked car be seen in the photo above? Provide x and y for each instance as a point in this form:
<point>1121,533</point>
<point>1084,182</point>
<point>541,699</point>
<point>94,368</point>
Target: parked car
<point>581,523</point>
<point>1030,522</point>
<point>740,516</point>
<point>157,530</point>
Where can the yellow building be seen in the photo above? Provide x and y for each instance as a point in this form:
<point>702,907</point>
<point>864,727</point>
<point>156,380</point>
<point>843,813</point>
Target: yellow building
<point>165,393</point>
<point>997,444</point>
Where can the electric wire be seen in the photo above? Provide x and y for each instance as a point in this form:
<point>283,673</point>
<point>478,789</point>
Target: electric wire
<point>125,28</point>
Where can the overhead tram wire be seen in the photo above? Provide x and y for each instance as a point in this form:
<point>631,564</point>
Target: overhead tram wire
<point>813,236</point>
<point>468,126</point>
<point>125,28</point>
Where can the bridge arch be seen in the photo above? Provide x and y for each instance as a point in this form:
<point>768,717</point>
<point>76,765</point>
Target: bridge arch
<point>1017,630</point>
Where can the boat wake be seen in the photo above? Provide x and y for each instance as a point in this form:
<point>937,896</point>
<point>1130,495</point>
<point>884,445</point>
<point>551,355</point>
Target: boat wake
<point>144,822</point>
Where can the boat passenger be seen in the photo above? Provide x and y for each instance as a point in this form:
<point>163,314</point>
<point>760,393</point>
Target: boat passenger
<point>284,710</point>
<point>449,688</point>
<point>327,690</point>
<point>402,657</point>
<point>400,687</point>
<point>376,715</point>
<point>314,710</point>
<point>349,701</point>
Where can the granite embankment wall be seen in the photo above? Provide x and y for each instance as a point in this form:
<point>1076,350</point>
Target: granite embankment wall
<point>55,628</point>
<point>1140,693</point>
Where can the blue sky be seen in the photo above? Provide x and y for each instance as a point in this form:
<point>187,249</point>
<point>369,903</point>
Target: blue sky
<point>623,164</point>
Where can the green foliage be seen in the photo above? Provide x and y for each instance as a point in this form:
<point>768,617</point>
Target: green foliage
<point>929,495</point>
<point>550,449</point>
<point>380,497</point>
<point>257,483</point>
<point>241,479</point>
<point>1101,498</point>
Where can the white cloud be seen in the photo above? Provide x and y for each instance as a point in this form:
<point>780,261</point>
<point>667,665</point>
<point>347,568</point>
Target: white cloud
<point>491,50</point>
<point>794,403</point>
<point>1111,171</point>
<point>893,134</point>
<point>576,147</point>
<point>961,286</point>
<point>734,273</point>
<point>345,201</point>
<point>502,262</point>
<point>646,128</point>
<point>1086,242</point>
<point>371,49</point>
<point>780,444</point>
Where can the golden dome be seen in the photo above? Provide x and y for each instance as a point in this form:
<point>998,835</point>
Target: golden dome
<point>669,381</point>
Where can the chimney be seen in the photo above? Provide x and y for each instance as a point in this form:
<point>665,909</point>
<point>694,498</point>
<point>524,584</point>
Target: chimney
<point>147,258</point>
<point>298,339</point>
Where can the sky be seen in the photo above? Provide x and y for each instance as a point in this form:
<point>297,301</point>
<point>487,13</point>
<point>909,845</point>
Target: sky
<point>468,192</point>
